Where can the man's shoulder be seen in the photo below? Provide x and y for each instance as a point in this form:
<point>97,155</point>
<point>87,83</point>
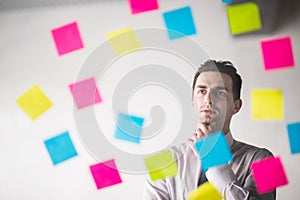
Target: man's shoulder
<point>251,150</point>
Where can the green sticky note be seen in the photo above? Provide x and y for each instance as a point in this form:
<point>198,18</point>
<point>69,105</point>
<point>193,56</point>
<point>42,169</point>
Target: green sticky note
<point>34,102</point>
<point>161,165</point>
<point>267,104</point>
<point>244,18</point>
<point>205,191</point>
<point>123,41</point>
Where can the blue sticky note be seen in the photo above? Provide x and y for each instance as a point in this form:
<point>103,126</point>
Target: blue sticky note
<point>179,23</point>
<point>213,150</point>
<point>294,137</point>
<point>227,1</point>
<point>129,128</point>
<point>60,148</point>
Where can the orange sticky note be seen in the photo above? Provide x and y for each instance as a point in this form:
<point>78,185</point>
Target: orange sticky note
<point>34,102</point>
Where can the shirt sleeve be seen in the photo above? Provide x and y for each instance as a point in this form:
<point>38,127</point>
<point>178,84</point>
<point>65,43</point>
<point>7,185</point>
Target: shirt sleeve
<point>225,181</point>
<point>155,190</point>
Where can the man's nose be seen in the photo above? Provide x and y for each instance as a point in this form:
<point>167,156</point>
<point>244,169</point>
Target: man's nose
<point>208,99</point>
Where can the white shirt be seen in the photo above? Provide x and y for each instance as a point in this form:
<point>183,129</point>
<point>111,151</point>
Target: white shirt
<point>233,180</point>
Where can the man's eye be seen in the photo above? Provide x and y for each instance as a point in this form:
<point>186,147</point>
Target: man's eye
<point>201,92</point>
<point>222,93</point>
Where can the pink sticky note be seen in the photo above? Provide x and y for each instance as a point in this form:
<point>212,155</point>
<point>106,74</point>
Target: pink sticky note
<point>277,53</point>
<point>85,93</point>
<point>105,174</point>
<point>268,174</point>
<point>138,6</point>
<point>67,38</point>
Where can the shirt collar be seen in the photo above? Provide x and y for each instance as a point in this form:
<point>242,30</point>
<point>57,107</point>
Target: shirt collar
<point>229,138</point>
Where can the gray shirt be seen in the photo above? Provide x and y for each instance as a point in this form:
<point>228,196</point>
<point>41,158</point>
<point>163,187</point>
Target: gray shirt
<point>234,181</point>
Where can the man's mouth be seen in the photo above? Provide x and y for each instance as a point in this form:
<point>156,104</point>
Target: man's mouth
<point>208,112</point>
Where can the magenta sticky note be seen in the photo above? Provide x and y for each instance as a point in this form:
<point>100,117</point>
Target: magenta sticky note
<point>277,53</point>
<point>268,174</point>
<point>67,38</point>
<point>139,6</point>
<point>85,93</point>
<point>105,174</point>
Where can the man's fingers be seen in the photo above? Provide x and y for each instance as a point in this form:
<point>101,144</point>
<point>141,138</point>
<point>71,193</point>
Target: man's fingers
<point>199,133</point>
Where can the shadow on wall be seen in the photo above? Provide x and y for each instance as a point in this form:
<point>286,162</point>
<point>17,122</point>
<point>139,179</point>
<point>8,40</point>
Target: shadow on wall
<point>289,12</point>
<point>275,14</point>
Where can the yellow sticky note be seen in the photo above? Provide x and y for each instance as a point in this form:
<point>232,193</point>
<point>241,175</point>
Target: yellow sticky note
<point>123,41</point>
<point>243,18</point>
<point>34,102</point>
<point>206,191</point>
<point>161,165</point>
<point>267,104</point>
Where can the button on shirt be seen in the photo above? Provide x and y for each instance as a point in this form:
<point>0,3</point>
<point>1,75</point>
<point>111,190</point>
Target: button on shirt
<point>234,180</point>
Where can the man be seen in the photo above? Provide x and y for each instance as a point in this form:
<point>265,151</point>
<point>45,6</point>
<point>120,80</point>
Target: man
<point>216,98</point>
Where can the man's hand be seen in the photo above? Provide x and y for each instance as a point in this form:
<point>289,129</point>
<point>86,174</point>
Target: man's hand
<point>204,129</point>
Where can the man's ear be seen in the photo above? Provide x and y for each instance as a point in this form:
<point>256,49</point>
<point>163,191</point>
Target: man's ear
<point>237,106</point>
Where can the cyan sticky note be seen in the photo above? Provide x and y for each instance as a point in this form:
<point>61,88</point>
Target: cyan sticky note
<point>244,18</point>
<point>161,165</point>
<point>105,174</point>
<point>294,137</point>
<point>60,148</point>
<point>277,53</point>
<point>129,128</point>
<point>67,38</point>
<point>205,191</point>
<point>179,22</point>
<point>34,102</point>
<point>138,6</point>
<point>123,41</point>
<point>85,93</point>
<point>268,174</point>
<point>267,104</point>
<point>228,1</point>
<point>213,150</point>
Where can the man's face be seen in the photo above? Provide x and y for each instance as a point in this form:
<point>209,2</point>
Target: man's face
<point>213,100</point>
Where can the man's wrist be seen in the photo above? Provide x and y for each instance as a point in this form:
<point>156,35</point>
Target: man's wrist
<point>220,176</point>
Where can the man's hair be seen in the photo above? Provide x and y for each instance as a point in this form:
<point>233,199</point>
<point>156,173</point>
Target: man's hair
<point>225,67</point>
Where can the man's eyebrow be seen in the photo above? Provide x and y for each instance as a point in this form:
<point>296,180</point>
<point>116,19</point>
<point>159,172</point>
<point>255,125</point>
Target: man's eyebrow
<point>221,88</point>
<point>218,87</point>
<point>201,86</point>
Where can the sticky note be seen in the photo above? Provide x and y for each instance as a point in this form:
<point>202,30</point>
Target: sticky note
<point>34,102</point>
<point>243,18</point>
<point>213,150</point>
<point>277,53</point>
<point>67,38</point>
<point>161,165</point>
<point>123,41</point>
<point>85,93</point>
<point>267,104</point>
<point>205,191</point>
<point>294,137</point>
<point>60,148</point>
<point>129,128</point>
<point>179,23</point>
<point>105,174</point>
<point>268,174</point>
<point>227,1</point>
<point>138,6</point>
